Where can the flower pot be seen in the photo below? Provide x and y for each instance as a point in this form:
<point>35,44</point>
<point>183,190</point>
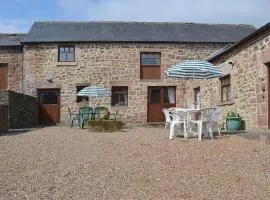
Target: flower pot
<point>234,123</point>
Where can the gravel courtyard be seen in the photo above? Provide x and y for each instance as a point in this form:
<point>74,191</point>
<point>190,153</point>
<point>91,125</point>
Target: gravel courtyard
<point>138,163</point>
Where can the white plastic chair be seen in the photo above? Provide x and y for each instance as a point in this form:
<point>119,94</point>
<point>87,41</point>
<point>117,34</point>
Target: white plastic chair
<point>207,120</point>
<point>168,117</point>
<point>214,121</point>
<point>178,120</point>
<point>198,124</point>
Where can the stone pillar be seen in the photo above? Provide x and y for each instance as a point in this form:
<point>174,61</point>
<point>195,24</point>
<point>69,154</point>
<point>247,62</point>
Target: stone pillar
<point>3,118</point>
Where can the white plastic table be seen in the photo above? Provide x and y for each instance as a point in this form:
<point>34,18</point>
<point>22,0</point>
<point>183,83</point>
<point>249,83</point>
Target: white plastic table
<point>188,112</point>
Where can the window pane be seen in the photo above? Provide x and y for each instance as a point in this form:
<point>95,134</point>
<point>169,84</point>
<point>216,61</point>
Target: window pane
<point>71,49</point>
<point>150,55</point>
<point>49,98</point>
<point>169,95</point>
<point>156,55</point>
<point>120,95</point>
<point>155,96</point>
<point>80,99</point>
<point>229,93</point>
<point>143,55</point>
<point>62,49</point>
<point>66,49</point>
<point>156,61</point>
<point>224,94</point>
<point>145,61</point>
<point>62,57</point>
<point>166,96</point>
<point>70,57</point>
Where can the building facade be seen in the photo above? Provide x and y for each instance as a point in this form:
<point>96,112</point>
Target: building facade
<point>129,59</point>
<point>245,86</point>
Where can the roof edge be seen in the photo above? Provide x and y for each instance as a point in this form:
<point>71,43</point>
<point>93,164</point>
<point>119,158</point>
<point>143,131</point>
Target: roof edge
<point>145,22</point>
<point>259,31</point>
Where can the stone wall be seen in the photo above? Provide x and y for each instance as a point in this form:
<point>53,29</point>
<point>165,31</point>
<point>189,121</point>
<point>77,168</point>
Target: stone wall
<point>3,111</point>
<point>107,64</point>
<point>249,84</point>
<point>22,109</point>
<point>13,57</point>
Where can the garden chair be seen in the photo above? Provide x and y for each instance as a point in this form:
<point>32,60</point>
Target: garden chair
<point>168,117</point>
<point>195,126</point>
<point>177,122</point>
<point>73,118</point>
<point>115,116</point>
<point>204,122</point>
<point>98,111</point>
<point>85,113</point>
<point>214,121</point>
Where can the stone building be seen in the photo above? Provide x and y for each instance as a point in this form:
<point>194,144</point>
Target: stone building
<point>128,59</point>
<point>245,86</point>
<point>16,109</point>
<point>11,62</point>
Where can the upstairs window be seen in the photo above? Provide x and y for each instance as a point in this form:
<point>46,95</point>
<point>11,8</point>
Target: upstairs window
<point>80,98</point>
<point>225,88</point>
<point>66,54</point>
<point>150,65</point>
<point>119,96</point>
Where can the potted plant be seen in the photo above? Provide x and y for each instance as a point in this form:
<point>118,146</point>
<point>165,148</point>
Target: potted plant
<point>233,121</point>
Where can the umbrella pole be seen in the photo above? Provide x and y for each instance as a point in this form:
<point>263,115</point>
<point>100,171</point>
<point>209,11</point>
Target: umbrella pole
<point>84,102</point>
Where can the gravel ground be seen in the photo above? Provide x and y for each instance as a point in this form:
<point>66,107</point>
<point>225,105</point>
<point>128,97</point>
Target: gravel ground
<point>138,163</point>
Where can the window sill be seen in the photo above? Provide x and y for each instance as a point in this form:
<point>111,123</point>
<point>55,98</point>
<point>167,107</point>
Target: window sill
<point>226,103</point>
<point>150,80</point>
<point>66,63</point>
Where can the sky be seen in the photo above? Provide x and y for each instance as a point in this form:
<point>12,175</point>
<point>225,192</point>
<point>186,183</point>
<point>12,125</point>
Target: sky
<point>17,16</point>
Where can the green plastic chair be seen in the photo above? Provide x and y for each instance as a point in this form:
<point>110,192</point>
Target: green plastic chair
<point>73,118</point>
<point>85,113</point>
<point>97,112</point>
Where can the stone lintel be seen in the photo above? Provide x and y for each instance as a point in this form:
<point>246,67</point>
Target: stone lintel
<point>121,83</point>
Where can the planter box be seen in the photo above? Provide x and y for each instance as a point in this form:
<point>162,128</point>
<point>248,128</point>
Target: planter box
<point>234,123</point>
<point>104,125</point>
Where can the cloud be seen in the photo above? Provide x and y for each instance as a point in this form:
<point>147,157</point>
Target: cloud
<point>205,11</point>
<point>13,26</point>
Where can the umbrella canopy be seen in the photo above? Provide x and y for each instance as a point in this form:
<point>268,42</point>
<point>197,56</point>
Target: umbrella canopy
<point>193,69</point>
<point>94,91</point>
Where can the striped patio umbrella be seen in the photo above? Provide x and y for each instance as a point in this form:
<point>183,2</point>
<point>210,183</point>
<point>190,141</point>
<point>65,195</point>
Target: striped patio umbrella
<point>193,69</point>
<point>94,91</point>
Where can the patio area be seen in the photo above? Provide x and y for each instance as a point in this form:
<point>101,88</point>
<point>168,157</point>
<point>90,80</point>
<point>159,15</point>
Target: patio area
<point>137,163</point>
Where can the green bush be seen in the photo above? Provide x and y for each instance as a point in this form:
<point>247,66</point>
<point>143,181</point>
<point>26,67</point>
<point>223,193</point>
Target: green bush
<point>233,115</point>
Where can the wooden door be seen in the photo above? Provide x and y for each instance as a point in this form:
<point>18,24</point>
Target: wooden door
<point>159,98</point>
<point>49,106</point>
<point>3,76</point>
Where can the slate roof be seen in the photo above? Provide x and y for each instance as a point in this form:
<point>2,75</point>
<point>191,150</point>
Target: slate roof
<point>135,32</point>
<point>241,42</point>
<point>11,39</point>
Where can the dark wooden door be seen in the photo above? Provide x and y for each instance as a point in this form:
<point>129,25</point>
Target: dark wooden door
<point>159,98</point>
<point>3,76</point>
<point>49,106</point>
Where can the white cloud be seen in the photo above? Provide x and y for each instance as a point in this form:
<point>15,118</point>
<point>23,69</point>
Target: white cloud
<point>206,11</point>
<point>13,26</point>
